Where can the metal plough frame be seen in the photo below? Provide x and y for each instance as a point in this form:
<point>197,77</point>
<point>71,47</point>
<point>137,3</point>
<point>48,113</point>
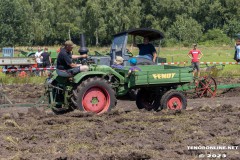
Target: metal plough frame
<point>38,103</point>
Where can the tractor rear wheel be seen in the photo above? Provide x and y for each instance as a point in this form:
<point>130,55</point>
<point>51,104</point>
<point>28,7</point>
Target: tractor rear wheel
<point>173,100</point>
<point>94,95</point>
<point>147,99</point>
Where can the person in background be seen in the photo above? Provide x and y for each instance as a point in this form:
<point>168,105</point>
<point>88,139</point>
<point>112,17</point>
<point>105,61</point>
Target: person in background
<point>59,49</point>
<point>237,50</point>
<point>195,55</point>
<point>133,68</point>
<point>39,60</point>
<point>118,63</point>
<point>65,66</point>
<point>146,49</point>
<point>46,59</point>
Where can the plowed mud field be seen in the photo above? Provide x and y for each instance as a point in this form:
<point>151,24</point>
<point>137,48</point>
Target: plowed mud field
<point>124,133</point>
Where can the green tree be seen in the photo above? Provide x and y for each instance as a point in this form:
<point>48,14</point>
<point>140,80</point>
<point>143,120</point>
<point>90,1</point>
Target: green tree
<point>215,37</point>
<point>185,29</point>
<point>48,22</point>
<point>94,22</point>
<point>232,27</point>
<point>14,22</point>
<point>122,15</point>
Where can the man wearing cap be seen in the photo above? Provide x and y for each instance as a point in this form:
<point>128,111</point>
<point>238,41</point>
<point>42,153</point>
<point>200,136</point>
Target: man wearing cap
<point>194,55</point>
<point>118,62</point>
<point>146,49</point>
<point>65,66</point>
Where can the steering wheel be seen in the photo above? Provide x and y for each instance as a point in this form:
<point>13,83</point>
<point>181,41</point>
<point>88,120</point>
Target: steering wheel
<point>84,61</point>
<point>129,53</point>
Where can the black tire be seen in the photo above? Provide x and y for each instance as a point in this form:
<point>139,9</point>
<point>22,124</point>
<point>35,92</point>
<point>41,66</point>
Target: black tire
<point>147,99</point>
<point>94,95</point>
<point>173,100</point>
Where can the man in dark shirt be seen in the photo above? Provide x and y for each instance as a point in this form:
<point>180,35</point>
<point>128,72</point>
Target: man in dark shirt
<point>65,66</point>
<point>46,58</point>
<point>146,49</point>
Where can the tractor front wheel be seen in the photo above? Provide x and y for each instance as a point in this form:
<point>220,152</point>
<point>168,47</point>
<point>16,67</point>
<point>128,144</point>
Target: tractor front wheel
<point>173,100</point>
<point>94,95</point>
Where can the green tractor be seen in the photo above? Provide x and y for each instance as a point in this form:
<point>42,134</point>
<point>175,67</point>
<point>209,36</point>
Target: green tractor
<point>31,53</point>
<point>97,90</point>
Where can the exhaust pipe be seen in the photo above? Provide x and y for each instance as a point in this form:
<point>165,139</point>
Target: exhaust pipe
<point>83,49</point>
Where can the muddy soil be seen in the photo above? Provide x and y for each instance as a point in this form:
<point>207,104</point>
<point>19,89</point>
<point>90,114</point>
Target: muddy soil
<point>124,133</point>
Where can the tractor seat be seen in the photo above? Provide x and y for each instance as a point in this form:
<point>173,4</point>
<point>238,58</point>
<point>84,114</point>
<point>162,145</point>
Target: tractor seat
<point>63,73</point>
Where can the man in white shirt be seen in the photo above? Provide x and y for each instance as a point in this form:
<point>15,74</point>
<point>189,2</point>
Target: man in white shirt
<point>39,59</point>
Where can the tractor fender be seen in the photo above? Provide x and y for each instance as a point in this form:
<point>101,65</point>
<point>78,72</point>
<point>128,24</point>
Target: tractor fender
<point>31,54</point>
<point>83,75</point>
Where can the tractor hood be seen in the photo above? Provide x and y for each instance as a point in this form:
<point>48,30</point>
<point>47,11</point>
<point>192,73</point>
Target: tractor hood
<point>144,32</point>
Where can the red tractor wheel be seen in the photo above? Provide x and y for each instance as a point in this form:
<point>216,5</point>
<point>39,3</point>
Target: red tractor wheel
<point>173,100</point>
<point>96,99</point>
<point>94,95</point>
<point>206,87</point>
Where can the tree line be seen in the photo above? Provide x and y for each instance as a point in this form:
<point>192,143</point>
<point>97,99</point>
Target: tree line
<point>44,22</point>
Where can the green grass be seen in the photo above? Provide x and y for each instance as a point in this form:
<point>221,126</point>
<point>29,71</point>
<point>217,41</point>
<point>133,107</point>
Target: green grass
<point>210,54</point>
<point>9,79</point>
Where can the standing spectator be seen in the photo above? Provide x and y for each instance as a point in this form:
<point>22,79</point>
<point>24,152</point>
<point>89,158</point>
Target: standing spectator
<point>237,50</point>
<point>39,59</point>
<point>133,68</point>
<point>194,55</point>
<point>46,59</point>
<point>146,49</point>
<point>59,49</point>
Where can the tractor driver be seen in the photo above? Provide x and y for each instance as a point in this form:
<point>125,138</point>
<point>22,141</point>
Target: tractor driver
<point>65,66</point>
<point>146,49</point>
